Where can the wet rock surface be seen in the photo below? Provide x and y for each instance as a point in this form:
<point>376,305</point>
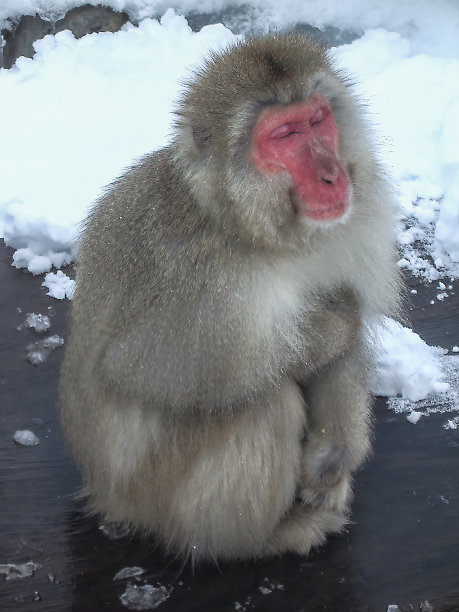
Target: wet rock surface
<point>401,547</point>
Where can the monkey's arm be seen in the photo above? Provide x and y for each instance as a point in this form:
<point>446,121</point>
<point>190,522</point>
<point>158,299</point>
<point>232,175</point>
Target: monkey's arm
<point>338,439</point>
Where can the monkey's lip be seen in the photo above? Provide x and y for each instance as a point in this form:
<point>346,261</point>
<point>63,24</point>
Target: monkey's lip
<point>326,213</point>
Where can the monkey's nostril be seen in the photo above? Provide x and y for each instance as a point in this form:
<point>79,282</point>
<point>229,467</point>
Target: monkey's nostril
<point>327,180</point>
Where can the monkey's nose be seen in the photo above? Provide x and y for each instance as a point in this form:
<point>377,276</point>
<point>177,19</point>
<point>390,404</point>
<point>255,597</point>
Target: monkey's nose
<point>329,173</point>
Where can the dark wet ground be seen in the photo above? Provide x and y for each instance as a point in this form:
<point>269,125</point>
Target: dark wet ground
<point>402,548</point>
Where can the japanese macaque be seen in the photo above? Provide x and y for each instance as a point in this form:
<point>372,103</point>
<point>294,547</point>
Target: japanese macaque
<point>214,389</point>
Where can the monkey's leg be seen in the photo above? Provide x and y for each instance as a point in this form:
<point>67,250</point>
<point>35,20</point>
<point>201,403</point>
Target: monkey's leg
<point>234,493</point>
<point>338,438</point>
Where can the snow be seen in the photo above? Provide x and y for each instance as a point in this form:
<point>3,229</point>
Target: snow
<point>144,597</point>
<point>418,379</point>
<point>25,437</point>
<point>38,352</point>
<point>14,571</point>
<point>414,416</point>
<point>82,110</point>
<point>60,285</point>
<point>406,365</point>
<point>38,322</point>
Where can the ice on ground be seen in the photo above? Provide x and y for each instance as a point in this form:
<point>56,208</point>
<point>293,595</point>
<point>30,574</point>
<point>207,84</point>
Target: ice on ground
<point>129,572</point>
<point>144,597</point>
<point>114,531</point>
<point>60,285</point>
<point>393,608</point>
<point>13,571</point>
<point>25,437</point>
<point>38,352</point>
<point>40,323</point>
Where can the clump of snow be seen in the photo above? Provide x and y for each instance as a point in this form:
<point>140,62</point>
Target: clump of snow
<point>452,423</point>
<point>38,264</point>
<point>414,416</point>
<point>129,572</point>
<point>393,608</point>
<point>38,352</point>
<point>25,437</point>
<point>60,285</point>
<point>406,365</point>
<point>144,597</point>
<point>418,379</point>
<point>40,323</point>
<point>13,571</point>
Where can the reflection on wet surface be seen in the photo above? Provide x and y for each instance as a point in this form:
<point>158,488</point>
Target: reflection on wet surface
<point>402,548</point>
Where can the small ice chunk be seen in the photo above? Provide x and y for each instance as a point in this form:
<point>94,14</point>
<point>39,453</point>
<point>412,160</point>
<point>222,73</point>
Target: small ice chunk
<point>40,323</point>
<point>414,416</point>
<point>129,572</point>
<point>393,608</point>
<point>442,296</point>
<point>414,291</point>
<point>13,571</point>
<point>60,285</point>
<point>426,607</point>
<point>441,286</point>
<point>455,349</point>
<point>452,423</point>
<point>114,531</point>
<point>38,352</point>
<point>25,437</point>
<point>144,597</point>
<point>264,590</point>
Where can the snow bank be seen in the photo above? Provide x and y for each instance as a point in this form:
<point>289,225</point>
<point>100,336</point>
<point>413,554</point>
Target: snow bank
<point>433,26</point>
<point>80,112</point>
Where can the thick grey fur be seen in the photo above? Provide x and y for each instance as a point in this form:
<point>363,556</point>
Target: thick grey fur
<point>214,389</point>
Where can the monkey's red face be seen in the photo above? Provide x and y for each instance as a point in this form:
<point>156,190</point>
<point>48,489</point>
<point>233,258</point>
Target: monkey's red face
<point>302,139</point>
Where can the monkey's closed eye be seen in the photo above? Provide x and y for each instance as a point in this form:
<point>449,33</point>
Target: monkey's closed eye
<point>317,117</point>
<point>285,130</point>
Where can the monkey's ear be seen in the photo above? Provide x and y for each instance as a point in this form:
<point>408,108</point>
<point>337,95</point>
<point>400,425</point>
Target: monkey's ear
<point>202,136</point>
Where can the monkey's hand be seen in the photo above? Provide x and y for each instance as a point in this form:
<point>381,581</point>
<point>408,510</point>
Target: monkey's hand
<point>325,480</point>
<point>333,329</point>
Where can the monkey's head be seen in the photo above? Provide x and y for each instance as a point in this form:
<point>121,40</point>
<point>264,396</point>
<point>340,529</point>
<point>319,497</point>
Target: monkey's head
<point>266,138</point>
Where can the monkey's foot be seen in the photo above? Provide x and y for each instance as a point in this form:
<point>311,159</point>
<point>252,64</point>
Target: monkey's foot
<point>326,476</point>
<point>304,528</point>
<point>332,497</point>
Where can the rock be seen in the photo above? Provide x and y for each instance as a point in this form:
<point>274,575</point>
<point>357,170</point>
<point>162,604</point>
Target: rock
<point>88,19</point>
<point>19,40</point>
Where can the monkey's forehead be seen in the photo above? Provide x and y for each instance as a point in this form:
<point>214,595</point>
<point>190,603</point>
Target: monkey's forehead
<point>275,69</point>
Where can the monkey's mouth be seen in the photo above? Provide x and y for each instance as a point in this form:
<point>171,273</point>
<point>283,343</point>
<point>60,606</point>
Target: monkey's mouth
<point>318,212</point>
<point>326,213</point>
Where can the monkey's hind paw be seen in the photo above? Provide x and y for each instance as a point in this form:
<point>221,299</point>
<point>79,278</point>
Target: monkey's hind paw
<point>332,497</point>
<point>305,528</point>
